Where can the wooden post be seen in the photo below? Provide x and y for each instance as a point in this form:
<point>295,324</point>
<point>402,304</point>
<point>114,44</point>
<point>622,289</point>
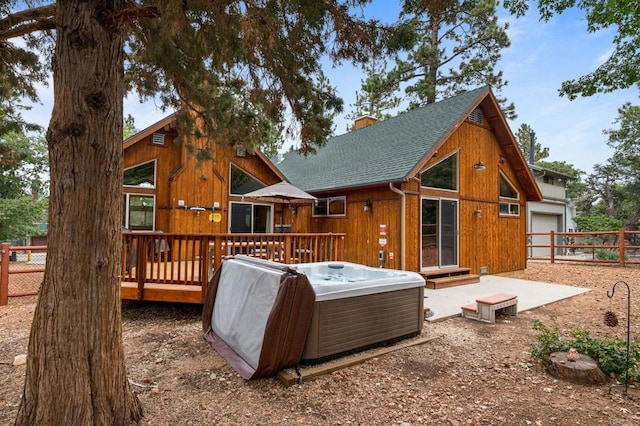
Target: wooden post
<point>553,246</point>
<point>621,247</point>
<point>142,242</point>
<point>4,274</point>
<point>205,261</point>
<point>287,248</point>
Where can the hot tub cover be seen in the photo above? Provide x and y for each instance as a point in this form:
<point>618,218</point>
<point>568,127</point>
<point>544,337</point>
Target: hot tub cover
<point>257,314</point>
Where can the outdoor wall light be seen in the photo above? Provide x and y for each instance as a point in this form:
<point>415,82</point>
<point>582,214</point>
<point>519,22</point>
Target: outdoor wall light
<point>477,213</point>
<point>479,166</point>
<point>367,206</point>
<point>294,210</point>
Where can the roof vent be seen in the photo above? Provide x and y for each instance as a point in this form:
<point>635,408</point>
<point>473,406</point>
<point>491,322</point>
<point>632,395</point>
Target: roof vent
<point>158,139</point>
<point>476,116</point>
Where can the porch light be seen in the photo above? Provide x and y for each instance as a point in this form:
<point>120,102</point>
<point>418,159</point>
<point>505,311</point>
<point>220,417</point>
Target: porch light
<point>479,166</point>
<point>477,213</point>
<point>367,206</point>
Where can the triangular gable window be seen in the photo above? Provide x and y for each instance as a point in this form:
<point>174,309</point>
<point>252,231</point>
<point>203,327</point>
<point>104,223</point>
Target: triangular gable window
<point>507,190</point>
<point>242,182</point>
<point>443,175</point>
<point>510,193</point>
<point>141,176</point>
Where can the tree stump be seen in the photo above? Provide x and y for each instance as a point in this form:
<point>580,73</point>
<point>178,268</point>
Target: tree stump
<point>584,371</point>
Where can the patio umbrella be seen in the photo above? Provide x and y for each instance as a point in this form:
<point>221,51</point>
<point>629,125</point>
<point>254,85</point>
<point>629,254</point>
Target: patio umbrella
<point>283,193</point>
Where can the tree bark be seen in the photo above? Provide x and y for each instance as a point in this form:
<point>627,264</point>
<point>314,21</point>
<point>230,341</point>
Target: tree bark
<point>584,371</point>
<point>75,366</point>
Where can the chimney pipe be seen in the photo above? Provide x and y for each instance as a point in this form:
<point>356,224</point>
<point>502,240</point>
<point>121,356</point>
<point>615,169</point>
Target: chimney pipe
<point>532,145</point>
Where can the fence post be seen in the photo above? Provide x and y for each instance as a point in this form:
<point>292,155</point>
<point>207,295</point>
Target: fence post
<point>621,247</point>
<point>4,274</point>
<point>553,246</point>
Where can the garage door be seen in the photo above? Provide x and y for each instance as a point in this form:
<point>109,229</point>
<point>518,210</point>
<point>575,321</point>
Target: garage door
<point>542,223</point>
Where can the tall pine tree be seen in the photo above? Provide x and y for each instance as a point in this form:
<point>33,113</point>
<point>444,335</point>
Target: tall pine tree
<point>235,66</point>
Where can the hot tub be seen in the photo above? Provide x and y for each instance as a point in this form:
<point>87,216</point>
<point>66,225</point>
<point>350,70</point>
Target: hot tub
<point>359,306</point>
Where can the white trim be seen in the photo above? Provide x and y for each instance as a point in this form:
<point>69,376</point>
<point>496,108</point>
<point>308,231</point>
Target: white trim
<point>126,211</point>
<point>155,174</point>
<point>439,234</point>
<point>329,200</point>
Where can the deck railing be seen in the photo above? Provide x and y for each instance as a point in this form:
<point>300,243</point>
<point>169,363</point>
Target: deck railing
<point>156,259</point>
<point>620,247</point>
<point>171,261</point>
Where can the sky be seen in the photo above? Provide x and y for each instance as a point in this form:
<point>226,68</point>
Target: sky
<point>541,56</point>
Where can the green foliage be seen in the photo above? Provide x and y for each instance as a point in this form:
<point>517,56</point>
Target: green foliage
<point>129,127</point>
<point>622,69</point>
<point>23,172</point>
<point>599,223</point>
<point>604,254</point>
<point>523,138</point>
<point>376,97</point>
<point>446,48</point>
<point>19,217</point>
<point>609,352</point>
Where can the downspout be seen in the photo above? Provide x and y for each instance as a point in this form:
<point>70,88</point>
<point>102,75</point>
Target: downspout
<point>403,215</point>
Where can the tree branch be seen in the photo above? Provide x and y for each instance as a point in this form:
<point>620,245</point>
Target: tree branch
<point>27,21</point>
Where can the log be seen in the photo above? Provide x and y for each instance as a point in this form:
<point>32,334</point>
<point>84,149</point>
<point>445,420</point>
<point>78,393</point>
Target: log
<point>584,371</point>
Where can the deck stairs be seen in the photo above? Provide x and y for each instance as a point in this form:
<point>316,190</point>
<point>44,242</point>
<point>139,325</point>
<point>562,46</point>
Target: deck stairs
<point>449,277</point>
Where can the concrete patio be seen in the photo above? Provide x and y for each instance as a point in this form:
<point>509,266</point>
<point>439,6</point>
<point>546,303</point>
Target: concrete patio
<point>446,303</point>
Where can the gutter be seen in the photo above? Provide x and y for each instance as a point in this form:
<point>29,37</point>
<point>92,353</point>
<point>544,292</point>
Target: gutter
<point>403,215</point>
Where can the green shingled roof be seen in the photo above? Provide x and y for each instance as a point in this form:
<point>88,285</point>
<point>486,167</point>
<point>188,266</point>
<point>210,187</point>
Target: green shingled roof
<point>381,153</point>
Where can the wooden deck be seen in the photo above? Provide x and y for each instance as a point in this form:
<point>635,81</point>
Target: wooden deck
<point>176,268</point>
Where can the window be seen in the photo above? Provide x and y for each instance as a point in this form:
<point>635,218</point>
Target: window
<point>138,212</point>
<point>141,176</point>
<point>336,206</point>
<point>242,182</point>
<point>443,175</point>
<point>508,192</point>
<point>250,218</point>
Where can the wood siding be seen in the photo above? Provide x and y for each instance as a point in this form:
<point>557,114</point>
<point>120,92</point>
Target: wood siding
<point>180,177</point>
<point>490,240</point>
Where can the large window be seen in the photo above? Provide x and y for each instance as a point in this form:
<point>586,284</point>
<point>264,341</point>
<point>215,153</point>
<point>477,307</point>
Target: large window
<point>141,176</point>
<point>509,196</point>
<point>138,212</point>
<point>242,182</point>
<point>336,206</point>
<point>443,175</point>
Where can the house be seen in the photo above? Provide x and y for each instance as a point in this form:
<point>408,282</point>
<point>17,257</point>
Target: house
<point>553,213</point>
<point>440,187</point>
<point>437,188</point>
<point>167,190</point>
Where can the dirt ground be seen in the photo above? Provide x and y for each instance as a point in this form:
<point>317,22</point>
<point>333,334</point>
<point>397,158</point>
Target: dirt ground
<point>472,374</point>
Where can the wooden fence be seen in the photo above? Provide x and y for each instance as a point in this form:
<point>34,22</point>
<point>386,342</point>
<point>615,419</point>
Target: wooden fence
<point>177,267</point>
<point>613,247</point>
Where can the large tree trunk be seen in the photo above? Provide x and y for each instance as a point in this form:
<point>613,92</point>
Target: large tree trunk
<point>75,367</point>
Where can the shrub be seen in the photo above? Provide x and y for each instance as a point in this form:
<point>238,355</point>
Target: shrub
<point>609,352</point>
<point>604,254</point>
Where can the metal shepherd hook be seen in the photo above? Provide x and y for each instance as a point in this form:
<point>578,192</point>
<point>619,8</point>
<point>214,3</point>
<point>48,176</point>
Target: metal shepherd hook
<point>613,290</point>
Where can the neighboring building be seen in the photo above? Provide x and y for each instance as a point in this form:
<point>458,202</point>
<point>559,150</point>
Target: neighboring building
<point>553,213</point>
<point>442,186</point>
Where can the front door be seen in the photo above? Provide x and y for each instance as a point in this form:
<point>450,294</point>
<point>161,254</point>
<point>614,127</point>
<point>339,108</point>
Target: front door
<point>439,233</point>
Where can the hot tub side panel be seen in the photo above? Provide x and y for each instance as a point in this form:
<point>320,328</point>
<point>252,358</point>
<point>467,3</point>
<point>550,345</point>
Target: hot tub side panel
<point>342,325</point>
